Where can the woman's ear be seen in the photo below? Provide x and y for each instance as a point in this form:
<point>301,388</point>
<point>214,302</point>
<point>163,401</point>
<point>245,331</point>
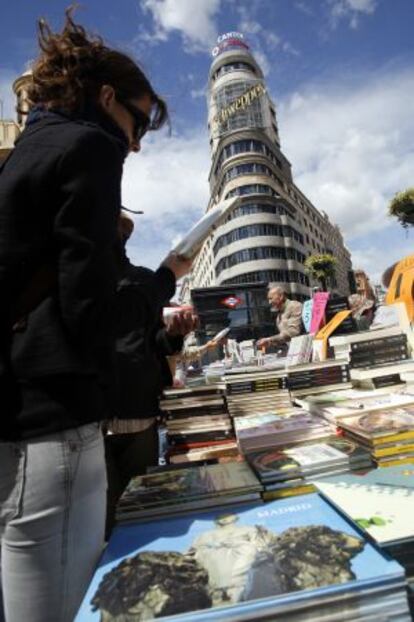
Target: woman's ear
<point>107,96</point>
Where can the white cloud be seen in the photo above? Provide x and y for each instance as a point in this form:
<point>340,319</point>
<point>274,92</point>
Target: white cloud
<point>168,180</point>
<point>351,10</point>
<point>352,146</point>
<point>374,260</point>
<point>263,61</point>
<point>272,40</point>
<point>249,26</point>
<point>193,19</point>
<point>304,7</point>
<point>264,40</point>
<point>288,48</point>
<point>197,93</point>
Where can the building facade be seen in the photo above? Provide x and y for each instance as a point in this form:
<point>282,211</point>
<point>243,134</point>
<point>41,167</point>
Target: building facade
<point>274,226</point>
<point>10,128</point>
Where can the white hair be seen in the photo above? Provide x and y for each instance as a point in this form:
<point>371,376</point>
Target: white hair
<point>275,287</point>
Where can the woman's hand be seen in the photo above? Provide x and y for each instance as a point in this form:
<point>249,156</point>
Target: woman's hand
<point>181,323</point>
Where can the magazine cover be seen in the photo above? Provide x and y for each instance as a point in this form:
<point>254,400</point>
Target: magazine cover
<point>227,558</point>
<point>380,501</point>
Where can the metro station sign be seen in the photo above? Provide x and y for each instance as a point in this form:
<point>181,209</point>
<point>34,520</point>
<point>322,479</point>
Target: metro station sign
<point>231,302</point>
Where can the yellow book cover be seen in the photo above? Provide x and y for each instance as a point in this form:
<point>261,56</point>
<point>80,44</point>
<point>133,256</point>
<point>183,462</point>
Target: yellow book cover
<point>288,492</point>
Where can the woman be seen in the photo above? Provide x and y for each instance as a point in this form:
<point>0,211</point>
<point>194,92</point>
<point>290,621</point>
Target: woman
<point>59,206</point>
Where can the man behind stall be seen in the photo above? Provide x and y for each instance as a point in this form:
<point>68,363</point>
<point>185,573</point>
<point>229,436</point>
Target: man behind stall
<point>288,318</point>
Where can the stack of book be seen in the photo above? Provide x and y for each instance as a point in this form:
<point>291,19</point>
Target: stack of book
<point>318,377</point>
<point>372,347</point>
<point>380,502</point>
<point>290,560</point>
<point>388,433</point>
<point>266,430</point>
<point>334,306</point>
<point>258,392</point>
<point>382,375</point>
<point>300,350</point>
<point>177,491</point>
<point>285,470</point>
<point>198,425</point>
<point>335,406</point>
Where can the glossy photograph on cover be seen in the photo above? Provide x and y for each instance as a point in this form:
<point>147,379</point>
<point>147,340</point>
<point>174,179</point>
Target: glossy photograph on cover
<point>279,462</point>
<point>155,488</point>
<point>220,562</point>
<point>380,422</point>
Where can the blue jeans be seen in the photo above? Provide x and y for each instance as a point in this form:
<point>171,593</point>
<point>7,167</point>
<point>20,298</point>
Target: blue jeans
<point>52,521</point>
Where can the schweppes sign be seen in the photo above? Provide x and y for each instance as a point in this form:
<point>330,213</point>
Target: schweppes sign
<point>240,103</point>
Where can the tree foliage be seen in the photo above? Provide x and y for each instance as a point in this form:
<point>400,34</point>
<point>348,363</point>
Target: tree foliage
<point>402,207</point>
<point>321,267</point>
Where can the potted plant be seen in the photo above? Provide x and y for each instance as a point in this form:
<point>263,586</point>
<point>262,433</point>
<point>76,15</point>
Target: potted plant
<point>321,267</point>
<point>402,207</point>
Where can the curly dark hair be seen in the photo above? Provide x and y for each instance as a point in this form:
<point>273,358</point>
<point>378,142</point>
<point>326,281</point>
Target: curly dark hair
<point>73,65</point>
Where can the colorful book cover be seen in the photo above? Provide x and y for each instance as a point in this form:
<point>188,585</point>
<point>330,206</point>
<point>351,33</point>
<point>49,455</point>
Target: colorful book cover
<point>184,484</point>
<point>380,501</point>
<point>283,463</point>
<point>378,425</point>
<point>285,425</point>
<point>219,564</point>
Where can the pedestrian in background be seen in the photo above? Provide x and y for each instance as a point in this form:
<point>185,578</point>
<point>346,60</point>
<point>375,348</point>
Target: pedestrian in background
<point>143,342</point>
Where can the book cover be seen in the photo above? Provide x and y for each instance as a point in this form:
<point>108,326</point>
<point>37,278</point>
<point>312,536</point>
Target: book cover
<point>286,462</point>
<point>380,501</point>
<point>364,336</point>
<point>379,425</point>
<point>182,484</point>
<point>227,559</point>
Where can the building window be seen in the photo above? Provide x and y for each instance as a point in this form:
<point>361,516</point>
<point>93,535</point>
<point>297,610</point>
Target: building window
<point>252,189</point>
<point>233,67</point>
<point>245,146</point>
<point>250,231</point>
<point>259,208</point>
<point>248,168</point>
<point>267,276</point>
<point>257,253</point>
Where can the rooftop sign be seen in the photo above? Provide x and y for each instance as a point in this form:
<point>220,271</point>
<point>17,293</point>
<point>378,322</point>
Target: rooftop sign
<point>229,40</point>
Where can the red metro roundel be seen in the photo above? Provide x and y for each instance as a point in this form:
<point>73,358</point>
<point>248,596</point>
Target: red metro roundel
<point>231,302</point>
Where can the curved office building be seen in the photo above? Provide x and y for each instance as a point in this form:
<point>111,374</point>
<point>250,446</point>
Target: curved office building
<point>274,227</point>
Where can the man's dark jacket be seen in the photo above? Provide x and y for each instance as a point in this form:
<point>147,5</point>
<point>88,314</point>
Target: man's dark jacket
<point>59,206</point>
<point>142,342</point>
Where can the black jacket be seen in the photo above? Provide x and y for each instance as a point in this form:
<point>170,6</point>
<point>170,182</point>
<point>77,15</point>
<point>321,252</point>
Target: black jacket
<point>141,340</point>
<point>59,205</point>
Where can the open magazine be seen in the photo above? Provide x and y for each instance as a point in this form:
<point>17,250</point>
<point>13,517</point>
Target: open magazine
<point>195,238</point>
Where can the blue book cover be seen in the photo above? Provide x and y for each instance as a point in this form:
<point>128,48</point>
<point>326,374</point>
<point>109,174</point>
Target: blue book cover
<point>209,565</point>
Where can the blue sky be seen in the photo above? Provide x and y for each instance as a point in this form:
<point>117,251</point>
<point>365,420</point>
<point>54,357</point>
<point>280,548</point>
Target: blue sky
<point>341,73</point>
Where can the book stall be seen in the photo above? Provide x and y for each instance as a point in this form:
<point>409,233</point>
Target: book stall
<point>287,491</point>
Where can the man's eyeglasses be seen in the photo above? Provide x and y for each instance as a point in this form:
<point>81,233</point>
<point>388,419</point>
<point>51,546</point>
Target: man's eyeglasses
<point>142,121</point>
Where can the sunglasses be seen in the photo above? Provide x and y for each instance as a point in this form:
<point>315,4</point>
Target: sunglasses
<point>142,121</point>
